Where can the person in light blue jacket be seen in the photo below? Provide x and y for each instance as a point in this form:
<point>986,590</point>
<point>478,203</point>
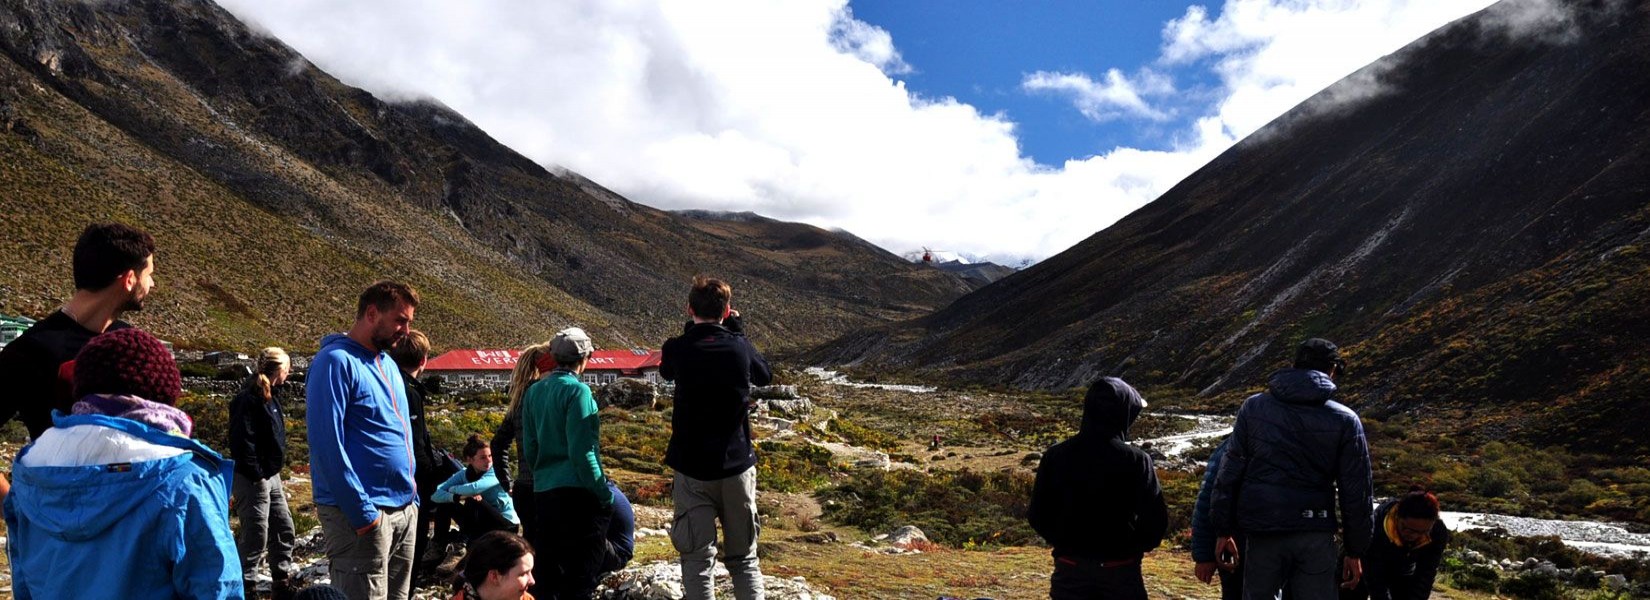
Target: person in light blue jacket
<point>115,500</point>
<point>484,504</point>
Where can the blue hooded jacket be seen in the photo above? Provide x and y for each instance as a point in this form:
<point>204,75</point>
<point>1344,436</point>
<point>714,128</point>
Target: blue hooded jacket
<point>486,486</point>
<point>360,440</point>
<point>1291,449</point>
<point>147,529</point>
<point>1203,538</point>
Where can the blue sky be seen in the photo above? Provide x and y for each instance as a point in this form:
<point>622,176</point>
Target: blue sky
<point>1001,130</point>
<point>980,51</point>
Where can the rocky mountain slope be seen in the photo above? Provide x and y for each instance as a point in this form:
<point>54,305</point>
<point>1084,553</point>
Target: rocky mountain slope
<point>1468,217</point>
<point>276,193</point>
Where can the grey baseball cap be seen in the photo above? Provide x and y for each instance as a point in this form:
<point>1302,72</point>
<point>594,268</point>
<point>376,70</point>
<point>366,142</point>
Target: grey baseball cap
<point>571,345</point>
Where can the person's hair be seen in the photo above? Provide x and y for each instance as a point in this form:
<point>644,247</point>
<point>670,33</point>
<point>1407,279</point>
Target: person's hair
<point>473,445</point>
<point>411,350</point>
<point>493,551</point>
<point>105,251</point>
<point>527,371</point>
<point>1417,504</point>
<point>709,297</point>
<point>270,361</point>
<point>385,295</point>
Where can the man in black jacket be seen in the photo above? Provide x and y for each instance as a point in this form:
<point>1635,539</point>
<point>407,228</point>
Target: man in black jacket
<point>114,267</point>
<point>714,366</point>
<point>1097,500</point>
<point>1294,455</point>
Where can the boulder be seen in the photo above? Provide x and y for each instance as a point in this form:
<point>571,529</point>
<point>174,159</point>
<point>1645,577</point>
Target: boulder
<point>663,581</point>
<point>1615,583</point>
<point>907,538</point>
<point>795,408</point>
<point>628,394</point>
<point>775,392</point>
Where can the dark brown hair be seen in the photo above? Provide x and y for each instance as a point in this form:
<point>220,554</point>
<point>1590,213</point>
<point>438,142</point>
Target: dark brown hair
<point>473,445</point>
<point>411,350</point>
<point>493,551</point>
<point>710,298</point>
<point>385,295</point>
<point>105,251</point>
<point>1418,504</point>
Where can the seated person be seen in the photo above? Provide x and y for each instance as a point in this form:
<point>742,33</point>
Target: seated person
<point>499,567</point>
<point>484,504</point>
<point>621,532</point>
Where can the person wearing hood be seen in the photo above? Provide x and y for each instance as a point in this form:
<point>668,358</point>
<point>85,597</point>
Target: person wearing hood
<point>115,500</point>
<point>1403,559</point>
<point>361,448</point>
<point>1293,451</point>
<point>1097,501</point>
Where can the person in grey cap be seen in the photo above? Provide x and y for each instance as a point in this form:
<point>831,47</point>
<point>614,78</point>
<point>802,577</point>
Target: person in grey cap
<point>1292,453</point>
<point>560,444</point>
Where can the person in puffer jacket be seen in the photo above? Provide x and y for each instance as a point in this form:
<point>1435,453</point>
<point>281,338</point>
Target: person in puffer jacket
<point>1097,500</point>
<point>1292,452</point>
<point>115,500</point>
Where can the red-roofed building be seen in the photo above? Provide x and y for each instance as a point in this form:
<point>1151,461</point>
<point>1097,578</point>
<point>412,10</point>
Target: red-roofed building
<point>495,366</point>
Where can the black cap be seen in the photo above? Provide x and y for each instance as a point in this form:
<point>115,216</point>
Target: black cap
<point>1317,354</point>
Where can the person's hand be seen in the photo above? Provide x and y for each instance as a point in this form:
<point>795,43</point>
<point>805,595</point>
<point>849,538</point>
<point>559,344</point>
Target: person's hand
<point>733,312</point>
<point>370,526</point>
<point>475,498</point>
<point>1226,550</point>
<point>1205,572</point>
<point>1352,571</point>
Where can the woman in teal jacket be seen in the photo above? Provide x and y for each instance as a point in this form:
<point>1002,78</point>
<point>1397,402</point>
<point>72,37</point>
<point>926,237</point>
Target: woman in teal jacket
<point>115,500</point>
<point>484,503</point>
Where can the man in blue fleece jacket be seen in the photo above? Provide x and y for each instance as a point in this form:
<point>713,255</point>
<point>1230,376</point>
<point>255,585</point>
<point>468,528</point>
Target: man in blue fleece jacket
<point>360,448</point>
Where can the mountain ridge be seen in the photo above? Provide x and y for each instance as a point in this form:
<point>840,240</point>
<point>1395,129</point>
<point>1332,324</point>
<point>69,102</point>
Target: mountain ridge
<point>276,192</point>
<point>1407,226</point>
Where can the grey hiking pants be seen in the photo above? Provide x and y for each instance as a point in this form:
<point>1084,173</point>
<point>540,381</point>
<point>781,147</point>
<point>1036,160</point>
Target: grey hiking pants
<point>699,505</point>
<point>266,526</point>
<point>375,566</point>
<point>1304,561</point>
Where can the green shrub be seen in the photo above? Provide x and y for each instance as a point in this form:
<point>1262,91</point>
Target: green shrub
<point>1532,586</point>
<point>792,467</point>
<point>964,509</point>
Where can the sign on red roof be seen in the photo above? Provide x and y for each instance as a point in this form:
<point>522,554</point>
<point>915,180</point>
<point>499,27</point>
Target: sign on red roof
<point>629,362</point>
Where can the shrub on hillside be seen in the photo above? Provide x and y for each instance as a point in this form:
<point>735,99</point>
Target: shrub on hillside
<point>965,508</point>
<point>792,467</point>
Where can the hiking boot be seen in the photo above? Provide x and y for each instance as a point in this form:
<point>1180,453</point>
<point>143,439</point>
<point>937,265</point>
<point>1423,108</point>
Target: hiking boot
<point>282,589</point>
<point>449,566</point>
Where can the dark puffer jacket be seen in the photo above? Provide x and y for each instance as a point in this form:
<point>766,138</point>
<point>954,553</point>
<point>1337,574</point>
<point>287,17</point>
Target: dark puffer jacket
<point>1096,496</point>
<point>1291,449</point>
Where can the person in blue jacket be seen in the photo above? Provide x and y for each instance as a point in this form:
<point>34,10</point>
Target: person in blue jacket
<point>115,500</point>
<point>1207,562</point>
<point>361,448</point>
<point>484,504</point>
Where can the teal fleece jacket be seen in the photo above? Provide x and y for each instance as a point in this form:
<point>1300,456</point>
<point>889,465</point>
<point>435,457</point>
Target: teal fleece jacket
<point>561,435</point>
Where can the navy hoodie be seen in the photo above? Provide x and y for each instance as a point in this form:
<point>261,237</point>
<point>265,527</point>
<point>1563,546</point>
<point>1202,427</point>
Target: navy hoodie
<point>714,367</point>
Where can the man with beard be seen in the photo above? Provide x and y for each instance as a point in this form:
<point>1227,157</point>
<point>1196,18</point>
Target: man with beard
<point>114,267</point>
<point>361,448</point>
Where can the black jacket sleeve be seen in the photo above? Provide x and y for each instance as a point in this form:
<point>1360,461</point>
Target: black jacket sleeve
<point>503,444</point>
<point>1044,496</point>
<point>1153,512</point>
<point>1356,486</point>
<point>243,433</point>
<point>28,382</point>
<point>1419,587</point>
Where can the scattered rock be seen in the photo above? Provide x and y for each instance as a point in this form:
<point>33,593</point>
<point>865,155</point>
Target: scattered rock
<point>628,394</point>
<point>798,408</point>
<point>663,580</point>
<point>775,392</point>
<point>907,538</point>
<point>1615,583</point>
<point>822,537</point>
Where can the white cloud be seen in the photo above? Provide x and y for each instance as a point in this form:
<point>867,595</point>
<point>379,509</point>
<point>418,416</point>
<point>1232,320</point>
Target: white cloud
<point>1115,97</point>
<point>788,108</point>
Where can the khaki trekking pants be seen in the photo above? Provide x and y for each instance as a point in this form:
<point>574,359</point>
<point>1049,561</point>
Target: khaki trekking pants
<point>699,505</point>
<point>375,566</point>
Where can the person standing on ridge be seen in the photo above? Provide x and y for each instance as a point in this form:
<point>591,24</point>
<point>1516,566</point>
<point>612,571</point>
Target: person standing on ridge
<point>257,443</point>
<point>710,449</point>
<point>1292,452</point>
<point>361,448</point>
<point>1097,501</point>
<point>114,268</point>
